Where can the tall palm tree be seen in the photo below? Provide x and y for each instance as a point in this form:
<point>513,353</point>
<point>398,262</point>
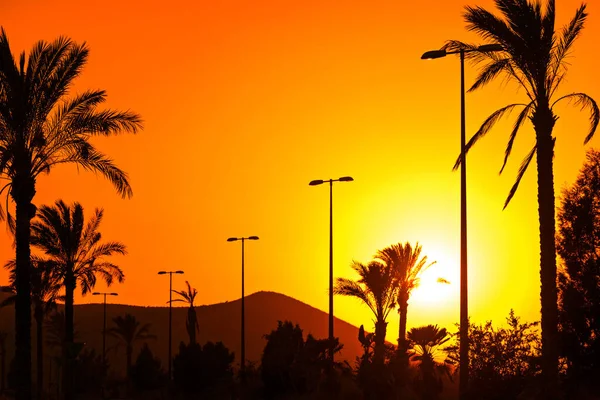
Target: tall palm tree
<point>74,251</point>
<point>191,324</point>
<point>375,288</point>
<point>45,288</point>
<point>407,264</point>
<point>40,127</point>
<point>535,57</point>
<point>128,331</point>
<point>425,341</point>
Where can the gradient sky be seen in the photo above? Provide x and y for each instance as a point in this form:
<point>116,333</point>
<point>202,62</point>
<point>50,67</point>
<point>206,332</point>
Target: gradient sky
<point>245,102</point>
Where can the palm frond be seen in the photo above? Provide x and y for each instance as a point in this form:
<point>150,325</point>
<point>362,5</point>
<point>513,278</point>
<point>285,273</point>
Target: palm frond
<point>513,135</point>
<point>486,127</point>
<point>585,102</point>
<point>491,71</point>
<point>522,169</point>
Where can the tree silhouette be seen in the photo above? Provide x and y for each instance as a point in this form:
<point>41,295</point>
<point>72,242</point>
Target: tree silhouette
<point>3,336</point>
<point>128,331</point>
<point>502,361</point>
<point>407,264</point>
<point>191,324</point>
<point>41,128</point>
<point>291,365</point>
<point>44,293</point>
<point>425,341</point>
<point>75,253</point>
<point>578,245</point>
<point>147,373</point>
<point>375,288</point>
<point>535,57</point>
<point>203,369</point>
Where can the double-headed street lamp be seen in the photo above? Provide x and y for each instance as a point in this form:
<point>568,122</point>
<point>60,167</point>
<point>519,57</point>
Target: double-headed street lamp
<point>104,330</point>
<point>243,327</point>
<point>315,183</point>
<point>464,304</point>
<point>170,311</point>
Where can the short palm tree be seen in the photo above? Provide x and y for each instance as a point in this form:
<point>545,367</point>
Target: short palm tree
<point>375,288</point>
<point>40,127</point>
<point>535,57</point>
<point>191,324</point>
<point>425,341</point>
<point>407,264</point>
<point>45,288</point>
<point>128,331</point>
<point>76,255</point>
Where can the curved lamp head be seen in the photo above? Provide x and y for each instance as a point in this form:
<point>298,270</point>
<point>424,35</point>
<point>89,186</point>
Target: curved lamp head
<point>430,55</point>
<point>346,179</point>
<point>232,239</point>
<point>253,238</point>
<point>162,272</point>
<point>316,182</point>
<point>113,294</point>
<point>96,293</point>
<point>490,47</point>
<point>179,272</point>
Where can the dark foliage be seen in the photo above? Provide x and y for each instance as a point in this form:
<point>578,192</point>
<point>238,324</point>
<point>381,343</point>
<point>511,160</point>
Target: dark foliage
<point>291,365</point>
<point>578,245</point>
<point>203,369</point>
<point>147,373</point>
<point>503,361</point>
<point>89,372</point>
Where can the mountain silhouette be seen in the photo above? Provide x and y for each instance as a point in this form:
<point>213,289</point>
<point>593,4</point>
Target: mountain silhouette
<point>218,322</point>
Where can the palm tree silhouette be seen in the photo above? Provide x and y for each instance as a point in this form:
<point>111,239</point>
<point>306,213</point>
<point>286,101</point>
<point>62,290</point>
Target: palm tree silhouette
<point>407,265</point>
<point>75,254</point>
<point>3,336</point>
<point>191,324</point>
<point>425,341</point>
<point>41,128</point>
<point>128,331</point>
<point>45,289</point>
<point>376,289</point>
<point>535,57</point>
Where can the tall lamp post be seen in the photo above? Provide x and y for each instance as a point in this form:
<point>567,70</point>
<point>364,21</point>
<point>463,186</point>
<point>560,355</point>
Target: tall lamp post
<point>464,299</point>
<point>315,183</point>
<point>243,327</point>
<point>104,329</point>
<point>170,311</point>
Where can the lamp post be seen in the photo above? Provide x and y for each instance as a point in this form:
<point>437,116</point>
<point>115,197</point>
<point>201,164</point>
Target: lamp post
<point>104,329</point>
<point>464,299</point>
<point>315,183</point>
<point>243,327</point>
<point>170,311</point>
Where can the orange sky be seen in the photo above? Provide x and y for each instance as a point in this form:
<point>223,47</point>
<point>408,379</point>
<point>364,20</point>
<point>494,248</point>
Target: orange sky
<point>245,102</point>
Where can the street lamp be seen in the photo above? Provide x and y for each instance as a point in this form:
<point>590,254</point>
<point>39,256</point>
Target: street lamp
<point>464,304</point>
<point>243,355</point>
<point>104,330</point>
<point>170,310</point>
<point>315,183</point>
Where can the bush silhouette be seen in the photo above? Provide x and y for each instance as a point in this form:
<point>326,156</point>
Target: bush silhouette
<point>198,368</point>
<point>147,373</point>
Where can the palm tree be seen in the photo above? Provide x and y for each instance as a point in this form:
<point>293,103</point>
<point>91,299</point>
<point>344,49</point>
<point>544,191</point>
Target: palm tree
<point>191,324</point>
<point>425,341</point>
<point>375,288</point>
<point>535,57</point>
<point>407,264</point>
<point>40,128</point>
<point>45,289</point>
<point>128,331</point>
<point>3,336</point>
<point>76,255</point>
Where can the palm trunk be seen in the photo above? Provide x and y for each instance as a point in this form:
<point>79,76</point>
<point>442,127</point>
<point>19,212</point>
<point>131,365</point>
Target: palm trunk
<point>69,334</point>
<point>544,121</point>
<point>379,351</point>
<point>39,322</point>
<point>23,194</point>
<point>403,303</point>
